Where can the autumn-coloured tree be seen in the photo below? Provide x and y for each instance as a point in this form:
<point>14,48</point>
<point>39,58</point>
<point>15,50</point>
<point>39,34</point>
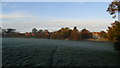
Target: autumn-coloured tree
<point>114,34</point>
<point>85,34</point>
<point>46,34</point>
<point>38,34</point>
<point>103,34</point>
<point>74,35</point>
<point>114,8</point>
<point>55,35</point>
<point>114,31</point>
<point>27,35</point>
<point>43,34</point>
<point>63,33</point>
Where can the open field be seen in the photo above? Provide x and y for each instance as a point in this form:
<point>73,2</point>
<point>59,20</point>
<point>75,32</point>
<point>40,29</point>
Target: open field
<point>48,52</point>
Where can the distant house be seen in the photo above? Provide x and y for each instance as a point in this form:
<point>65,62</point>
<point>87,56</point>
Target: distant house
<point>95,35</point>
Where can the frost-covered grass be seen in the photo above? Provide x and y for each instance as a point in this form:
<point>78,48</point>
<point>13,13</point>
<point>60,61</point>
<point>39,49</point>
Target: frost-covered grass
<point>48,52</point>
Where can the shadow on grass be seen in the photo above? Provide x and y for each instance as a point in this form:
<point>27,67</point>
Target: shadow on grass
<point>117,46</point>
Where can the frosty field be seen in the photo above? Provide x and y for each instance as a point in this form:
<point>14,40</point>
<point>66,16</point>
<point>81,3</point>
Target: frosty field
<point>48,52</point>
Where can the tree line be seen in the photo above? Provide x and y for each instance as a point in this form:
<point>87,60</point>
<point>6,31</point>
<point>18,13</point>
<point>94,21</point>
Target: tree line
<point>63,33</point>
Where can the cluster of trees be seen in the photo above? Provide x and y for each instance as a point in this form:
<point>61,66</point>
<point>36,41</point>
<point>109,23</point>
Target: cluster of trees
<point>63,33</point>
<point>38,33</point>
<point>11,33</point>
<point>69,34</point>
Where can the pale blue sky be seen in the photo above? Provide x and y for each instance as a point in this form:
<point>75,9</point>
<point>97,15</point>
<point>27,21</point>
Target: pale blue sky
<point>24,16</point>
<point>56,0</point>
